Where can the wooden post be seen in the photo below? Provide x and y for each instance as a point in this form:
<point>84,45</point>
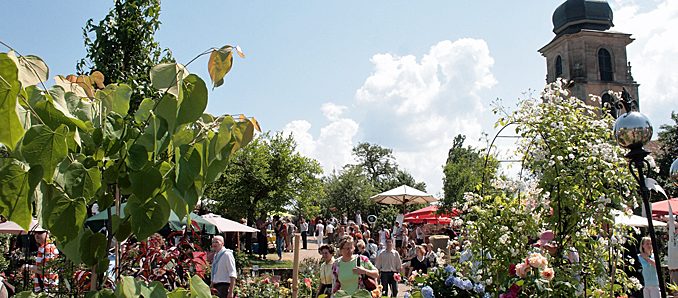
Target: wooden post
<point>295,270</point>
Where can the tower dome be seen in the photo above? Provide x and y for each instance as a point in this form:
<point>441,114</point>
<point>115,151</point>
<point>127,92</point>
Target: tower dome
<point>575,15</point>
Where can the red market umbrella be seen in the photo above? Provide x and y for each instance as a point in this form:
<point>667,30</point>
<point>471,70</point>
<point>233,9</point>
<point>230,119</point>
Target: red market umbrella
<point>429,215</point>
<point>431,211</point>
<point>662,207</point>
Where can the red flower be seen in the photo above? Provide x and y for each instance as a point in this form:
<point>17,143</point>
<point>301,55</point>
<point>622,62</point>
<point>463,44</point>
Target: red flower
<point>307,281</point>
<point>512,270</point>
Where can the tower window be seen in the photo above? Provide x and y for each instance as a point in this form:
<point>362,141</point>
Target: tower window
<point>559,67</point>
<point>605,65</point>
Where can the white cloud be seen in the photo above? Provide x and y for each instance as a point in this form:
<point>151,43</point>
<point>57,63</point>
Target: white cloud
<point>652,54</point>
<point>418,107</point>
<point>333,146</point>
<point>414,106</point>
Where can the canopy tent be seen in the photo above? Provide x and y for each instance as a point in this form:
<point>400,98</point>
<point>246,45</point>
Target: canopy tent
<point>10,227</point>
<point>634,220</point>
<point>662,207</point>
<point>403,195</point>
<point>174,223</point>
<point>227,225</point>
<point>429,215</point>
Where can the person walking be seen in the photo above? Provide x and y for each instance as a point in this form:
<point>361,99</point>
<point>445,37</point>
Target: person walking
<point>224,272</point>
<point>383,235</point>
<point>348,270</point>
<point>291,229</point>
<point>303,226</point>
<point>651,281</point>
<point>262,237</point>
<point>279,229</point>
<point>330,232</point>
<point>389,264</point>
<point>320,232</point>
<point>45,279</point>
<point>327,256</point>
<point>419,231</point>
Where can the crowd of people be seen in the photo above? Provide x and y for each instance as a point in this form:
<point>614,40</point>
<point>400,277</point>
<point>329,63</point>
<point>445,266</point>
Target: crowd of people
<point>351,251</point>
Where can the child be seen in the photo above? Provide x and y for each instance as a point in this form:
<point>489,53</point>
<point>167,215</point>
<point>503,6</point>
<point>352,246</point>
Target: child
<point>651,287</point>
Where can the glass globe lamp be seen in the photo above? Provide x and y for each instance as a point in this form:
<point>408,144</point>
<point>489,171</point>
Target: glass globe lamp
<point>632,130</point>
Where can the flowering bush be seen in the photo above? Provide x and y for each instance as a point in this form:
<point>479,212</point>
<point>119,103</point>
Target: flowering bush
<point>532,276</point>
<point>447,282</point>
<point>576,176</point>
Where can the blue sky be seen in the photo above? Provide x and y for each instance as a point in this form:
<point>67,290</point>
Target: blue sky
<point>406,75</point>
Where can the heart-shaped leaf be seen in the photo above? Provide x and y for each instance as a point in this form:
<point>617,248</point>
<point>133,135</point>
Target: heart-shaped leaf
<point>11,129</point>
<point>220,63</point>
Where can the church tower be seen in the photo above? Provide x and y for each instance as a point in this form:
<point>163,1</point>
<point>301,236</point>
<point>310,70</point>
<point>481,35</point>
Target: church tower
<point>585,51</point>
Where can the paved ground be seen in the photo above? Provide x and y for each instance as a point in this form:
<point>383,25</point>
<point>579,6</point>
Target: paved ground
<point>312,252</point>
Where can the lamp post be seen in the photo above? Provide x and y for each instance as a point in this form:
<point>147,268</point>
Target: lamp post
<point>633,130</point>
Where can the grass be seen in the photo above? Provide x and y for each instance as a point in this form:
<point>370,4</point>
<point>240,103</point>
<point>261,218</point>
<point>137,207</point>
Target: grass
<point>270,264</point>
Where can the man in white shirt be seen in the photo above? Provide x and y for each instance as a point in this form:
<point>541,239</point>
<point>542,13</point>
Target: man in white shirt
<point>304,233</point>
<point>383,235</point>
<point>320,232</point>
<point>420,234</point>
<point>330,232</point>
<point>223,269</point>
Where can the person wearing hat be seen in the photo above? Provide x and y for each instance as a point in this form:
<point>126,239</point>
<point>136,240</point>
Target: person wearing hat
<point>44,278</point>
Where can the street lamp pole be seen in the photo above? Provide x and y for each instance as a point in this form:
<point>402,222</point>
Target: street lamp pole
<point>633,130</point>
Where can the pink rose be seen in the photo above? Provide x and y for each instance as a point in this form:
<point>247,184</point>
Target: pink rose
<point>523,269</point>
<point>547,273</point>
<point>537,260</point>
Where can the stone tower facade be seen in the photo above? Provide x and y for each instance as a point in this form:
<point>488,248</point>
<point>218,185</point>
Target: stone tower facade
<point>585,51</point>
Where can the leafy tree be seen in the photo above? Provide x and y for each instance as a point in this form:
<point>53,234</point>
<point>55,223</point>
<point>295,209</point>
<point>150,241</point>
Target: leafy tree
<point>668,140</point>
<point>70,146</point>
<point>377,162</point>
<point>463,172</point>
<point>268,176</point>
<point>347,192</point>
<point>122,47</point>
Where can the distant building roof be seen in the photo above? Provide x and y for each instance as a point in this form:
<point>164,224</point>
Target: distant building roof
<point>575,15</point>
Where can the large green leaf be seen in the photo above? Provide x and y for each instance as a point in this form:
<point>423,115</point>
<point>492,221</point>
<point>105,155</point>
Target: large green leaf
<point>32,70</point>
<point>53,117</point>
<point>137,157</point>
<point>82,182</point>
<point>144,110</point>
<point>147,216</point>
<point>179,293</point>
<point>145,183</point>
<point>188,167</point>
<point>72,248</point>
<point>45,148</point>
<point>16,186</point>
<point>80,107</point>
<point>220,64</point>
<point>93,248</point>
<point>62,215</point>
<point>105,293</point>
<point>154,290</point>
<point>115,98</point>
<point>127,288</point>
<point>155,137</point>
<point>199,288</point>
<point>167,110</point>
<point>176,202</point>
<point>192,100</point>
<point>11,129</point>
<point>166,76</point>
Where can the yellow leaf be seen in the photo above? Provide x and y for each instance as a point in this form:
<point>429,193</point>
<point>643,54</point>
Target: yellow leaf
<point>220,64</point>
<point>98,78</point>
<point>256,124</point>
